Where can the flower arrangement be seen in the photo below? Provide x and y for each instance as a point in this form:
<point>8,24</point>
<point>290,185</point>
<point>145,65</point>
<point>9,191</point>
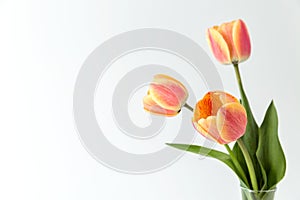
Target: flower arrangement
<point>257,157</point>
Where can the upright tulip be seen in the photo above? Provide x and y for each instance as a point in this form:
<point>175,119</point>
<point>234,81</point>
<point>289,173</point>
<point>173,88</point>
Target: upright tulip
<point>166,96</point>
<point>220,117</point>
<point>230,42</point>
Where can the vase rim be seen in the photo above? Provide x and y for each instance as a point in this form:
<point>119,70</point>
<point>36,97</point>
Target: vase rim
<point>258,191</point>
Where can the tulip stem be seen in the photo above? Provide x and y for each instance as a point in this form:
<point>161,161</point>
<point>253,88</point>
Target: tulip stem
<point>249,164</point>
<point>240,83</point>
<point>237,165</point>
<point>238,77</point>
<point>188,107</point>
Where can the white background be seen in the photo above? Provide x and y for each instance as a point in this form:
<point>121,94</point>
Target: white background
<point>42,47</point>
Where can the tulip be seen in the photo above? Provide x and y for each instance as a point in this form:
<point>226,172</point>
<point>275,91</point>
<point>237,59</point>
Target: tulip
<point>220,117</point>
<point>166,96</point>
<point>230,42</point>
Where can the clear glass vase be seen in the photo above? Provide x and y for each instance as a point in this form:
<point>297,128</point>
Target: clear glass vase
<point>248,194</point>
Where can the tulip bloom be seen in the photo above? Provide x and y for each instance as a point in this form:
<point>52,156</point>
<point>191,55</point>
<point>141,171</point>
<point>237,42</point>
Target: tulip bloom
<point>166,96</point>
<point>220,117</point>
<point>230,42</point>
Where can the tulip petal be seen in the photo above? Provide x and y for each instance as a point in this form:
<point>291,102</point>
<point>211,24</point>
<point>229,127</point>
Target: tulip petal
<point>226,98</point>
<point>218,46</point>
<point>231,121</point>
<point>173,84</point>
<point>151,106</point>
<point>168,92</point>
<point>208,128</point>
<point>164,97</point>
<point>241,40</point>
<point>211,103</point>
<point>226,30</point>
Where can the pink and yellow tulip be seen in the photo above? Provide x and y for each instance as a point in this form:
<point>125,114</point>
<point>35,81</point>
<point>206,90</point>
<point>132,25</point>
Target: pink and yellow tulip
<point>166,96</point>
<point>220,117</point>
<point>230,42</point>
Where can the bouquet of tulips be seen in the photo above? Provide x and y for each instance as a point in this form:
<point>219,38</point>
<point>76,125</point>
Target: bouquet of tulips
<point>257,157</point>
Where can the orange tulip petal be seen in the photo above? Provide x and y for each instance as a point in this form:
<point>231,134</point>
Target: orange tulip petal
<point>168,92</point>
<point>202,131</point>
<point>151,106</point>
<point>241,40</point>
<point>203,108</point>
<point>218,46</point>
<point>231,121</point>
<point>226,98</point>
<point>225,30</point>
<point>208,128</point>
<point>173,84</point>
<point>164,97</point>
<point>211,103</point>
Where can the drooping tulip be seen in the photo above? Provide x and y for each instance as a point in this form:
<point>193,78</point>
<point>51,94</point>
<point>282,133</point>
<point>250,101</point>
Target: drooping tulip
<point>166,96</point>
<point>230,42</point>
<point>220,117</point>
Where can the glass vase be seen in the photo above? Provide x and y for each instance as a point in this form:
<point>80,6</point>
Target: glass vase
<point>248,194</point>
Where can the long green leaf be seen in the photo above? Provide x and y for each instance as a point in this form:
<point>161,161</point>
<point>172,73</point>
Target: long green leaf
<point>269,152</point>
<point>223,157</point>
<point>264,179</point>
<point>250,139</point>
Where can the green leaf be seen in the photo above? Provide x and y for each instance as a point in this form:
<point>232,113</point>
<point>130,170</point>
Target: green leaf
<point>269,152</point>
<point>263,183</point>
<point>250,139</point>
<point>223,157</point>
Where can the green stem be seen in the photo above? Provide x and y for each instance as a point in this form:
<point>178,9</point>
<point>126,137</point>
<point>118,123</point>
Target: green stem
<point>239,79</point>
<point>237,165</point>
<point>188,107</point>
<point>249,164</point>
